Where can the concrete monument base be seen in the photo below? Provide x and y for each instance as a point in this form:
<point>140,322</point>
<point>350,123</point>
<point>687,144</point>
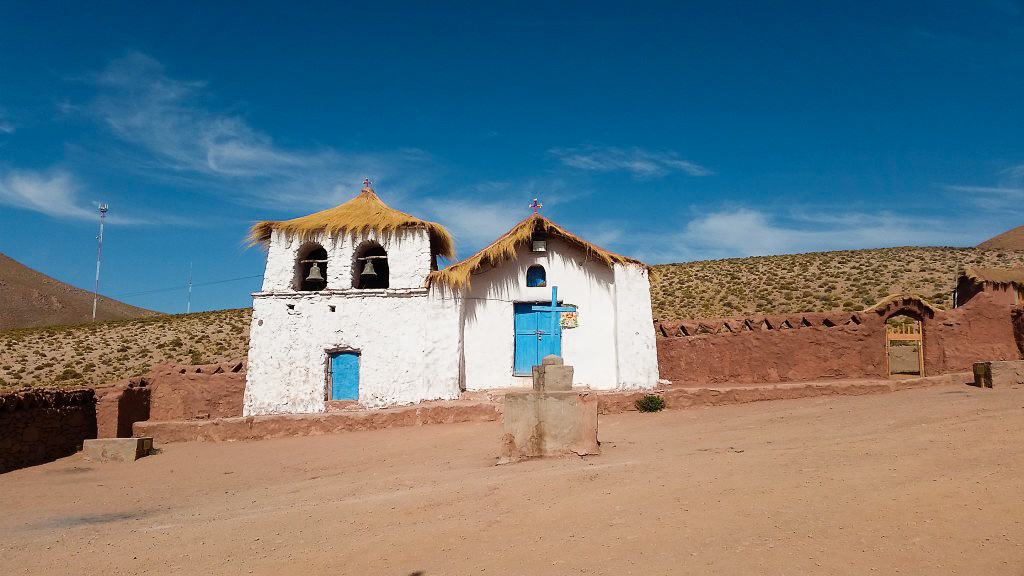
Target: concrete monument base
<point>549,424</point>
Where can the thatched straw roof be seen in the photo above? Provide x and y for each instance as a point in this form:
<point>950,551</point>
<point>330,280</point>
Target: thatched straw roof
<point>504,248</point>
<point>359,215</point>
<point>996,275</point>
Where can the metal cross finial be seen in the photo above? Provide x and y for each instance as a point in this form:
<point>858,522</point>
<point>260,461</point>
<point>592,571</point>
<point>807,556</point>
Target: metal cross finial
<point>535,205</point>
<point>366,183</point>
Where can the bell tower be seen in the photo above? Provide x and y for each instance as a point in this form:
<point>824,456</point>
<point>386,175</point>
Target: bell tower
<point>334,281</point>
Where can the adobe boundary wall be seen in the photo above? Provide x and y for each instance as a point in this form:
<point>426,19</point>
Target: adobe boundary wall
<point>834,345</point>
<point>39,425</point>
<point>171,392</point>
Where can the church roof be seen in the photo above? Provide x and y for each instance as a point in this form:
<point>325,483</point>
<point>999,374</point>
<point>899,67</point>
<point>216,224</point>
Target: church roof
<point>504,248</point>
<point>996,275</point>
<point>361,214</point>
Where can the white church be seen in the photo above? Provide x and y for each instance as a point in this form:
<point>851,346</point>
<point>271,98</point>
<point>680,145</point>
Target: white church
<point>353,308</point>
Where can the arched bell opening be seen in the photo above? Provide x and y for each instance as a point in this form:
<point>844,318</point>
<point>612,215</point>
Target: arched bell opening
<point>311,268</point>
<point>370,267</point>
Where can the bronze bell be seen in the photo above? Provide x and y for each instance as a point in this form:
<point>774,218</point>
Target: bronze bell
<point>368,269</point>
<point>314,274</point>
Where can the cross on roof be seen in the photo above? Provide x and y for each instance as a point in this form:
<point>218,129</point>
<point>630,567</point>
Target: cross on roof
<point>535,205</point>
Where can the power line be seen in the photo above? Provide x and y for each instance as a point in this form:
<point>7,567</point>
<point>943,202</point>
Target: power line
<point>175,288</point>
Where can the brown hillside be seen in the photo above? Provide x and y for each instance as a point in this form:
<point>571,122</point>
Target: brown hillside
<point>29,299</point>
<point>99,352</point>
<point>814,282</point>
<point>1009,240</point>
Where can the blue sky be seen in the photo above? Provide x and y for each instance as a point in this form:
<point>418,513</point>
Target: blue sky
<point>667,131</point>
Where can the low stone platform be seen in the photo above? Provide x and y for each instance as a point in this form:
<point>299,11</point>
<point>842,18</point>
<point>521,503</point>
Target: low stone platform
<point>285,425</point>
<point>488,406</point>
<point>117,449</point>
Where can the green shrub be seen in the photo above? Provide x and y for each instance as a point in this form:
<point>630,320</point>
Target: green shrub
<point>68,374</point>
<point>650,403</point>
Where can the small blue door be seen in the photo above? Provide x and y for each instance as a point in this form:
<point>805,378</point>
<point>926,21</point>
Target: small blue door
<point>344,376</point>
<point>534,337</point>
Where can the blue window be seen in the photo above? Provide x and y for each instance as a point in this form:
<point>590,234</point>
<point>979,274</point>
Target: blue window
<point>344,376</point>
<point>536,276</point>
<point>537,335</point>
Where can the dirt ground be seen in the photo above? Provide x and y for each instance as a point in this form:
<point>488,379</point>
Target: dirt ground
<point>925,481</point>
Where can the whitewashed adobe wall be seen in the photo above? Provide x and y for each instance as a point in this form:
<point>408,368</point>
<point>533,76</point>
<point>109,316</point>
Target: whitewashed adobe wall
<point>408,258</point>
<point>635,345</point>
<point>591,348</point>
<point>408,339</point>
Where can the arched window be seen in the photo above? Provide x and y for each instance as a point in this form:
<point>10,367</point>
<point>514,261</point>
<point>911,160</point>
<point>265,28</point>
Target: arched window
<point>536,276</point>
<point>311,268</point>
<point>370,268</point>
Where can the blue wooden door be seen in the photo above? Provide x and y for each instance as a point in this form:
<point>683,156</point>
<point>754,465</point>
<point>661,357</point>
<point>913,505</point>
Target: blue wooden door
<point>345,376</point>
<point>534,337</point>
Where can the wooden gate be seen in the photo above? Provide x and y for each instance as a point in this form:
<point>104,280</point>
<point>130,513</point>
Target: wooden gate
<point>904,349</point>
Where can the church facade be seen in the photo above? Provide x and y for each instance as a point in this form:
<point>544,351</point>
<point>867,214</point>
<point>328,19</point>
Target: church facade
<point>354,308</point>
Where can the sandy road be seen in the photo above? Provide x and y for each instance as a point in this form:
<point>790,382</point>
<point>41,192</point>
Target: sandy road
<point>926,481</point>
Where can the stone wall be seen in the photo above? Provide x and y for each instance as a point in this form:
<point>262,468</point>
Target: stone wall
<point>840,345</point>
<point>42,424</point>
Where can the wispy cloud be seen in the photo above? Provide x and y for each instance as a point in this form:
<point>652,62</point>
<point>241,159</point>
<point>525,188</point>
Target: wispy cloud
<point>998,190</point>
<point>57,194</point>
<point>1006,198</point>
<point>178,135</point>
<point>474,223</point>
<point>993,198</point>
<point>478,214</point>
<point>6,126</point>
<point>741,231</point>
<point>641,164</point>
<point>52,193</point>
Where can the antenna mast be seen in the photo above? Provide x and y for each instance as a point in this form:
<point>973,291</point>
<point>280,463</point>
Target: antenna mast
<point>99,256</point>
<point>188,306</point>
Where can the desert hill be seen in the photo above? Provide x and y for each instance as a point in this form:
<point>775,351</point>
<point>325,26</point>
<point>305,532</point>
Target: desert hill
<point>814,282</point>
<point>100,352</point>
<point>1009,240</point>
<point>29,298</point>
